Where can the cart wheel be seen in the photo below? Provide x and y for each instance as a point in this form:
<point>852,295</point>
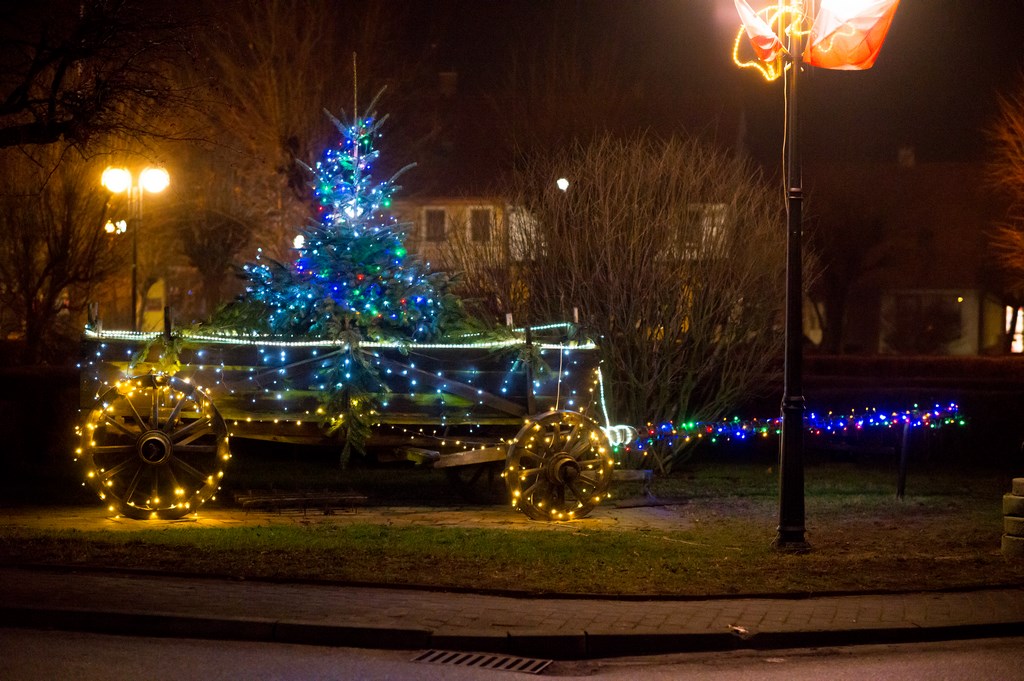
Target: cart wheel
<point>558,466</point>
<point>155,447</point>
<point>479,483</point>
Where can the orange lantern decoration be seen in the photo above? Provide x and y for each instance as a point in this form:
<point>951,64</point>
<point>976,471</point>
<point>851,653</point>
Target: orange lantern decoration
<point>763,39</point>
<point>844,34</point>
<point>848,34</point>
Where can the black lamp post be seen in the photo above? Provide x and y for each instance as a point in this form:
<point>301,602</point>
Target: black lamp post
<point>791,529</point>
<point>846,35</point>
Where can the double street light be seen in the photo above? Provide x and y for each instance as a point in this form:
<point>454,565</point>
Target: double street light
<point>120,180</point>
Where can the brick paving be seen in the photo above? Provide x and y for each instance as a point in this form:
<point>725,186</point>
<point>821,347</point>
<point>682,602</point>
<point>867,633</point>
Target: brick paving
<point>559,627</point>
<point>54,597</point>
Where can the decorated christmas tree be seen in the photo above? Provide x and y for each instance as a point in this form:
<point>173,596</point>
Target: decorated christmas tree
<point>353,272</point>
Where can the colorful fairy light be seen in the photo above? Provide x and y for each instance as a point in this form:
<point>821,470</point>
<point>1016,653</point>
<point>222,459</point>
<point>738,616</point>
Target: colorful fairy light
<point>818,425</point>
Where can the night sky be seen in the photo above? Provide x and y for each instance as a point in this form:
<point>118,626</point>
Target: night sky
<point>933,88</point>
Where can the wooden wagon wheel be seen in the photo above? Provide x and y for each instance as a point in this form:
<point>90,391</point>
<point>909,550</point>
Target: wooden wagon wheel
<point>559,466</point>
<point>154,447</point>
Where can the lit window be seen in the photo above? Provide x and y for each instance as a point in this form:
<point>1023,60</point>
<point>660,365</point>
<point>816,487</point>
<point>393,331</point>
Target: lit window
<point>699,234</point>
<point>706,230</point>
<point>434,221</point>
<point>1016,321</point>
<point>524,238</point>
<point>481,221</point>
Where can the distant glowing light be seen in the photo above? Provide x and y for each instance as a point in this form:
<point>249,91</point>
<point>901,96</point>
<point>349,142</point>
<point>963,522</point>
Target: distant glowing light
<point>116,180</point>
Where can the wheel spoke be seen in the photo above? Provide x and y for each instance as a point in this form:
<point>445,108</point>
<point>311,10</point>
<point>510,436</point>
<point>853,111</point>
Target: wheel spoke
<point>111,472</point>
<point>188,468</point>
<point>195,449</point>
<point>178,435</point>
<point>574,432</point>
<point>524,451</point>
<point>121,427</point>
<point>113,449</point>
<point>528,492</point>
<point>193,437</point>
<point>155,487</point>
<point>130,490</point>
<point>586,468</point>
<point>135,412</point>
<point>154,411</point>
<point>579,448</point>
<point>173,490</point>
<point>173,418</point>
<point>551,446</point>
<point>580,496</point>
<point>556,435</point>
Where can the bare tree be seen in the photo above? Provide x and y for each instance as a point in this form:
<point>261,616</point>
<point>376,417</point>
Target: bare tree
<point>53,250</point>
<point>213,221</point>
<point>1007,172</point>
<point>673,254</point>
<point>71,71</point>
<point>1007,136</point>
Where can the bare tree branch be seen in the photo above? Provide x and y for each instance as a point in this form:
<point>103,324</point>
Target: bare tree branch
<point>53,250</point>
<point>673,255</point>
<point>73,71</point>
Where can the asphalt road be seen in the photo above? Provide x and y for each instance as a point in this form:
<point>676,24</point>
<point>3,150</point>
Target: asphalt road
<point>31,655</point>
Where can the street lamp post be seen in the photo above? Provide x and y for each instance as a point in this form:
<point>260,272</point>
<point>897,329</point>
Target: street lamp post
<point>120,180</point>
<point>790,533</point>
<point>844,35</point>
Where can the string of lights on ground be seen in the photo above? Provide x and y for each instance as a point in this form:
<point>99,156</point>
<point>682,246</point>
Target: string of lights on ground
<point>817,425</point>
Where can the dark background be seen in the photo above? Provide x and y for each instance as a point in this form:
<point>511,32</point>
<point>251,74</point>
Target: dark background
<point>934,87</point>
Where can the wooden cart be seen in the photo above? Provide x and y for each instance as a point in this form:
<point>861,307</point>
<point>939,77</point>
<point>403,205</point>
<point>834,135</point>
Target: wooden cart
<point>157,425</point>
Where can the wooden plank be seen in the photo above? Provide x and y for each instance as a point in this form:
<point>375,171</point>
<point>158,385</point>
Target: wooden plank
<point>417,455</point>
<point>473,456</point>
<point>457,388</point>
<point>249,382</point>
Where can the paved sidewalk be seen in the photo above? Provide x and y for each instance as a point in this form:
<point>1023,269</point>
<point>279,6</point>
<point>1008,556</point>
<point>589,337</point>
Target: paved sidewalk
<point>548,627</point>
<point>558,628</point>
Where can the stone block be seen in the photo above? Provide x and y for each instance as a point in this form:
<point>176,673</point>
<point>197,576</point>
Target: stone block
<point>1013,547</point>
<point>1013,504</point>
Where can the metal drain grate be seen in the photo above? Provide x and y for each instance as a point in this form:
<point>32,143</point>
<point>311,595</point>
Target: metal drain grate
<point>506,663</point>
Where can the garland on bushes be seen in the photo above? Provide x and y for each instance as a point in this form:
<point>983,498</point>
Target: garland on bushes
<point>830,424</point>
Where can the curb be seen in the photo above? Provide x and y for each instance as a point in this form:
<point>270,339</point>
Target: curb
<point>580,646</point>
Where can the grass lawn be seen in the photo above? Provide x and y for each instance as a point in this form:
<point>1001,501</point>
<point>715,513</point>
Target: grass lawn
<point>944,534</point>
